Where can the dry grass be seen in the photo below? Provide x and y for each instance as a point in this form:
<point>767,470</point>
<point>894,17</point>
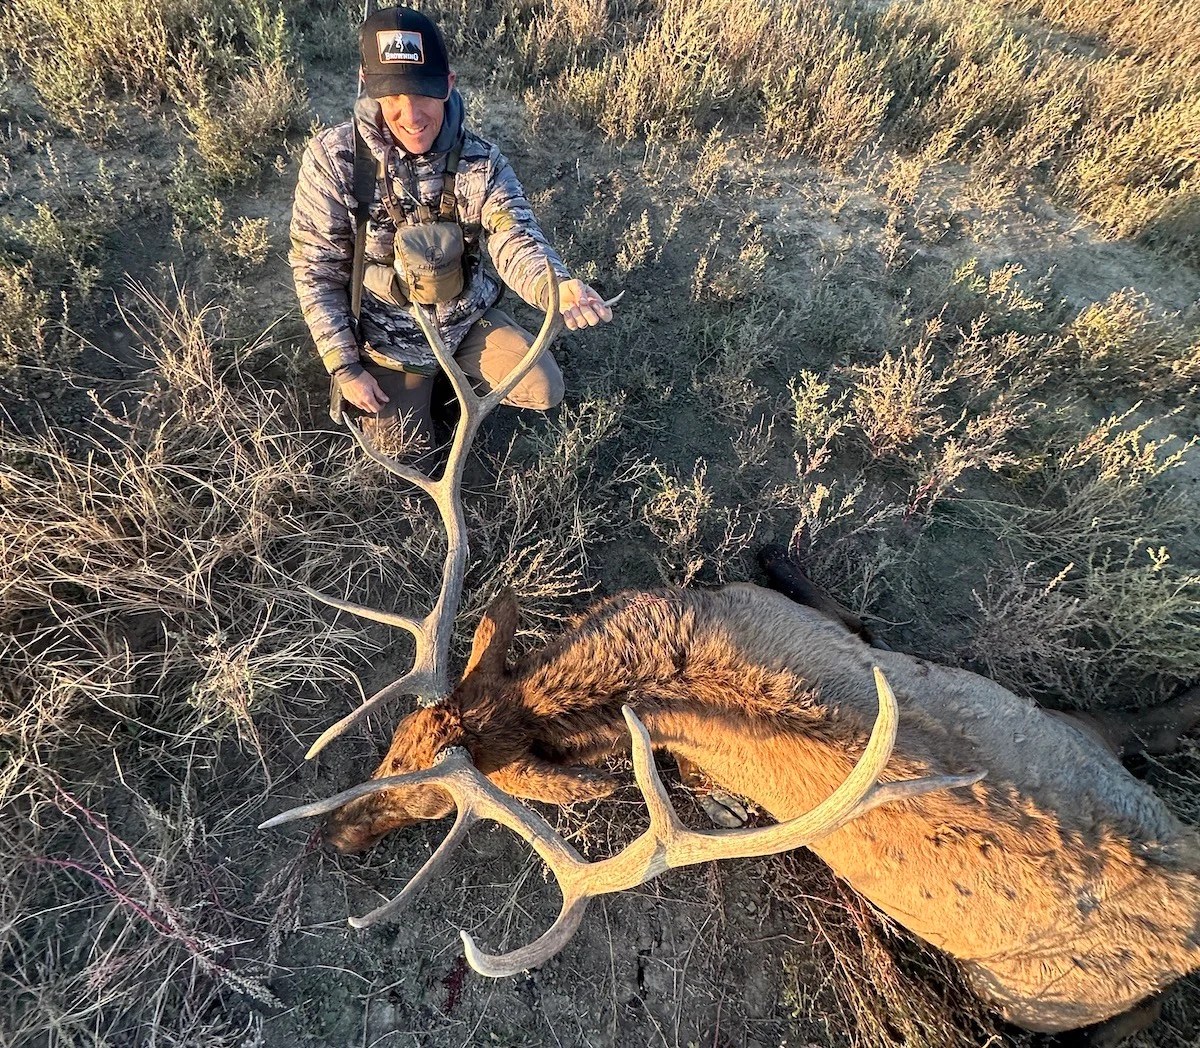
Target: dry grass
<point>23,309</point>
<point>556,493</point>
<point>1111,134</point>
<point>145,612</point>
<point>230,66</point>
<point>1166,32</point>
<point>861,980</point>
<point>52,259</point>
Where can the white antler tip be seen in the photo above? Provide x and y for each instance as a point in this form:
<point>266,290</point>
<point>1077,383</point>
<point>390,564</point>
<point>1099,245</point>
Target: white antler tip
<point>473,955</point>
<point>636,728</point>
<point>881,683</point>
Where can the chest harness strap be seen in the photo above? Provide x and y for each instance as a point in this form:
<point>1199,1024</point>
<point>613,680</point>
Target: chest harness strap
<point>447,210</point>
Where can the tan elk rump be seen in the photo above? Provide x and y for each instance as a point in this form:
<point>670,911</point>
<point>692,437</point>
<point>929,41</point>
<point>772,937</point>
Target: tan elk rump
<point>1063,886</point>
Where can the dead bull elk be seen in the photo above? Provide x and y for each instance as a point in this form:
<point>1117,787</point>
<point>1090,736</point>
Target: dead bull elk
<point>1011,839</point>
<point>1062,885</point>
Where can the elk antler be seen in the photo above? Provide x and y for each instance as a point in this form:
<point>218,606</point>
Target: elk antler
<point>666,845</point>
<point>428,678</point>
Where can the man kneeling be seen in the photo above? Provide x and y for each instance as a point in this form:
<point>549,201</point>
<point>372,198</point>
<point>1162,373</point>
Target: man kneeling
<point>439,192</point>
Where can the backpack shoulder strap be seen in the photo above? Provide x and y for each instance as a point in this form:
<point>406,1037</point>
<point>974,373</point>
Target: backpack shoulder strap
<point>448,209</point>
<point>366,171</point>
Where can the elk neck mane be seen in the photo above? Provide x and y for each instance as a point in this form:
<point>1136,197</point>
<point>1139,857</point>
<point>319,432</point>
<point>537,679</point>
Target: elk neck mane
<point>659,645</point>
<point>663,650</point>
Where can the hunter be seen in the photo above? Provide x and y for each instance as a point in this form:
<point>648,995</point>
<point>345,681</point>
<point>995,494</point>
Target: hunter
<point>432,192</point>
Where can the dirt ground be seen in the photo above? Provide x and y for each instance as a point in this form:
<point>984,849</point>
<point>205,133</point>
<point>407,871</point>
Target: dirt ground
<point>715,957</point>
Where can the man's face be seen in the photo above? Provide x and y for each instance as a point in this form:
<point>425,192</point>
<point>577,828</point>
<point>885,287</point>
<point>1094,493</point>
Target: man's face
<point>414,120</point>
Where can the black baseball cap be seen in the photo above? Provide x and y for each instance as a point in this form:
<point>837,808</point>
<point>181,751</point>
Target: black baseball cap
<point>403,53</point>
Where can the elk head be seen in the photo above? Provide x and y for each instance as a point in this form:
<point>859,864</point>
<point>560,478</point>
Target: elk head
<point>485,716</point>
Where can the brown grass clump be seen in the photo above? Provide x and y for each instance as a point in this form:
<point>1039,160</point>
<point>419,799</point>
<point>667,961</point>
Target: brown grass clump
<point>143,612</point>
<point>1168,31</point>
<point>23,324</point>
<point>52,257</point>
<point>236,125</point>
<point>834,81</point>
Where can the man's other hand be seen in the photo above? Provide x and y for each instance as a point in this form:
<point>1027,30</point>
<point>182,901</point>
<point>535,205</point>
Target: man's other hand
<point>580,306</point>
<point>363,392</point>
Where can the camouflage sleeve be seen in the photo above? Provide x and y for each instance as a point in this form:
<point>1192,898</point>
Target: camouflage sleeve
<point>515,241</point>
<point>322,252</point>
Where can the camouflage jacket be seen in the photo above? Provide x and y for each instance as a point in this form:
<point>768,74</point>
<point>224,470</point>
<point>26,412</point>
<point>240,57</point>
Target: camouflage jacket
<point>491,207</point>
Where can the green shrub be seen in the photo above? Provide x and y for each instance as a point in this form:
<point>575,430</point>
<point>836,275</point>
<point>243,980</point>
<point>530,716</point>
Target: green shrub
<point>85,56</point>
<point>23,322</point>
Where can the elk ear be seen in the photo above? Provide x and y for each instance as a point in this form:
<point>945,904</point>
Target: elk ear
<point>539,780</point>
<point>493,635</point>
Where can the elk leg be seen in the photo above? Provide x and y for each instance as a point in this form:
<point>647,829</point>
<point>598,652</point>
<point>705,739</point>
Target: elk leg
<point>1156,732</point>
<point>722,809</point>
<point>786,577</point>
<point>1100,729</point>
<point>1116,1030</point>
<point>537,780</point>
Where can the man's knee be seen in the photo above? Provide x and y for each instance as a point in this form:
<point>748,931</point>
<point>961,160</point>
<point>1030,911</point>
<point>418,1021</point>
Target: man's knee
<point>496,345</point>
<point>542,389</point>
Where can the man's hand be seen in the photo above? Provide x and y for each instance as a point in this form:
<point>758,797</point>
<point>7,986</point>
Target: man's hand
<point>363,392</point>
<point>580,306</point>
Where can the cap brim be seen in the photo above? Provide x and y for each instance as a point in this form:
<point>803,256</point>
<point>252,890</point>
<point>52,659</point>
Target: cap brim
<point>382,85</point>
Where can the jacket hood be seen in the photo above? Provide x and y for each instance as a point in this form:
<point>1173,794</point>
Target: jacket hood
<point>369,118</point>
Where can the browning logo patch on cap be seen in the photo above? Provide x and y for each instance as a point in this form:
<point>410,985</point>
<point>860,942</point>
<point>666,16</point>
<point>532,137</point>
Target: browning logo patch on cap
<point>402,53</point>
<point>400,45</point>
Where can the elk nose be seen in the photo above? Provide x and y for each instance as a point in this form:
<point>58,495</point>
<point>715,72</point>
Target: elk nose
<point>348,840</point>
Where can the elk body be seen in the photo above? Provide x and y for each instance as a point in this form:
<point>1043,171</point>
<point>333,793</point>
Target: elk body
<point>1062,885</point>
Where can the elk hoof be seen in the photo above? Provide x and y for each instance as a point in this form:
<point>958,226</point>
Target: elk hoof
<point>724,810</point>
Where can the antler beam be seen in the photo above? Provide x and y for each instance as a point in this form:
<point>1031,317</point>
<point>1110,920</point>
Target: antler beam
<point>429,679</point>
<point>667,844</point>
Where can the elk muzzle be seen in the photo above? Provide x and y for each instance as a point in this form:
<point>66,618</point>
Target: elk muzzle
<point>361,824</point>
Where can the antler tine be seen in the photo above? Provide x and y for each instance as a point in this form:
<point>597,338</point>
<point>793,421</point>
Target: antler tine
<point>458,833</point>
<point>429,678</point>
<point>410,473</point>
<point>858,793</point>
<point>427,776</point>
<point>551,942</point>
<point>412,683</point>
<point>388,618</point>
